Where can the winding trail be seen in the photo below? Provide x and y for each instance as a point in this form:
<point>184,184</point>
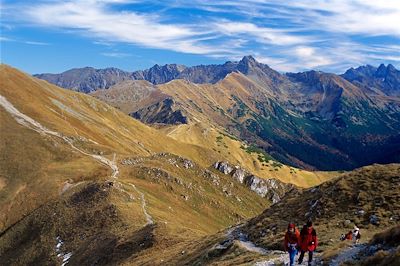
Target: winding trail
<point>36,126</point>
<point>28,122</point>
<point>276,257</point>
<point>234,233</point>
<point>149,219</point>
<point>348,254</point>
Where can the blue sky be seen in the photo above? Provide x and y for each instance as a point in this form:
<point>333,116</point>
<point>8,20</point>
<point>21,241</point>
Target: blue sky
<point>53,36</point>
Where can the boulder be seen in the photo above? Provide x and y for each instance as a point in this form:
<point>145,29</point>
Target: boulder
<point>373,219</point>
<point>187,164</point>
<point>223,167</point>
<point>239,174</point>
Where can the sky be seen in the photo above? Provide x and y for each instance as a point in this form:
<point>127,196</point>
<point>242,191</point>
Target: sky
<point>49,36</point>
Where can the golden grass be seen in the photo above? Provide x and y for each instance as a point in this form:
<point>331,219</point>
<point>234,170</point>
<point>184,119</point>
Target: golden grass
<point>231,149</point>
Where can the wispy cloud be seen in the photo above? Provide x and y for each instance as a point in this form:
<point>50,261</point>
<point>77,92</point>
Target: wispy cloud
<point>288,35</point>
<point>116,54</point>
<point>96,18</point>
<point>7,39</point>
<point>36,43</point>
<point>261,34</point>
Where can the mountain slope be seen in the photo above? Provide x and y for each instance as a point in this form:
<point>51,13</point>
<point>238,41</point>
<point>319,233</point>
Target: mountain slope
<point>79,177</point>
<point>364,197</point>
<point>317,121</point>
<point>83,183</point>
<point>311,120</point>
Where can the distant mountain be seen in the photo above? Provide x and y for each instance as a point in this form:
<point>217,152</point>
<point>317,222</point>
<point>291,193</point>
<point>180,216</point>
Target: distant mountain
<point>384,78</point>
<point>86,79</point>
<point>89,79</point>
<point>312,119</point>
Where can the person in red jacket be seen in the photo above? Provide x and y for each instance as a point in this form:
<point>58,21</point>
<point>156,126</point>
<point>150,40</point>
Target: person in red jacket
<point>308,242</point>
<point>292,242</point>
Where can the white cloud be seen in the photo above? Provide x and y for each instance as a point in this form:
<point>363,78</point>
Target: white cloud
<point>354,16</point>
<point>116,54</point>
<point>93,17</point>
<point>6,39</point>
<point>288,35</point>
<point>36,43</point>
<point>262,34</point>
<point>310,58</point>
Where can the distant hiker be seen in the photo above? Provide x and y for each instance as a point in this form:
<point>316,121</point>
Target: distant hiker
<point>356,235</point>
<point>292,242</point>
<point>348,236</point>
<point>308,242</point>
<point>352,235</point>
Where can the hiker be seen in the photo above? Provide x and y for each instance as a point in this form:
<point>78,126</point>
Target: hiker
<point>348,236</point>
<point>308,242</point>
<point>356,235</point>
<point>292,240</point>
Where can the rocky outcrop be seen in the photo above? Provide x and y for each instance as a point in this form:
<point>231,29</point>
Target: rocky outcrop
<point>272,188</point>
<point>164,112</point>
<point>223,167</point>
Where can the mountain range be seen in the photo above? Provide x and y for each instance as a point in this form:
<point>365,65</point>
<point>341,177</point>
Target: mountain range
<point>85,183</point>
<point>312,120</point>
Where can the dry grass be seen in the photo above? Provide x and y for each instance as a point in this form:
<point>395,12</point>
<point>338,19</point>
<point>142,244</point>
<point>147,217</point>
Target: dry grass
<point>389,237</point>
<point>36,169</point>
<point>338,201</point>
<point>99,222</point>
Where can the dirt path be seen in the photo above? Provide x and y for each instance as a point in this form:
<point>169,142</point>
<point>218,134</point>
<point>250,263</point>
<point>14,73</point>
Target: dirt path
<point>149,219</point>
<point>28,122</point>
<point>275,257</point>
<point>173,131</point>
<point>347,254</point>
<point>235,234</point>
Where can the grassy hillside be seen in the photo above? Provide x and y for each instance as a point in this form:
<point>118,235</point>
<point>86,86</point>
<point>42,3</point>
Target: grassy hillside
<point>237,152</point>
<point>79,174</point>
<point>367,197</point>
<point>84,183</point>
<point>310,120</point>
<point>212,110</point>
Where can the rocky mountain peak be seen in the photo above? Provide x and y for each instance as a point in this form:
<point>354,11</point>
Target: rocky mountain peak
<point>384,78</point>
<point>390,67</point>
<point>249,59</point>
<point>381,71</point>
<point>247,64</point>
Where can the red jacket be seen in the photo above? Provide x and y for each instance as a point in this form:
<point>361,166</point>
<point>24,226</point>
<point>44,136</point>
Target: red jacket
<point>308,239</point>
<point>292,238</point>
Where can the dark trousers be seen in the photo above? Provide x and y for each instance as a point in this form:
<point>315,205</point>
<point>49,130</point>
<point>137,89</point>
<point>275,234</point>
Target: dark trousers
<point>310,254</point>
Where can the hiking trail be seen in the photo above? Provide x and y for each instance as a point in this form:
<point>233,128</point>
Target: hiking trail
<point>149,219</point>
<point>28,122</point>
